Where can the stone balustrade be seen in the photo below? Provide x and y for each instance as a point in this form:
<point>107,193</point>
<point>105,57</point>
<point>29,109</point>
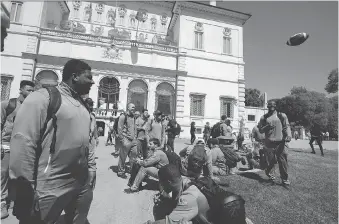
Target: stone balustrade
<point>107,40</point>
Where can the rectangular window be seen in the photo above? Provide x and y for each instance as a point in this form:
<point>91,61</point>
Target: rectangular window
<point>251,117</point>
<point>198,40</point>
<point>197,105</point>
<point>16,11</point>
<point>227,45</point>
<point>226,107</point>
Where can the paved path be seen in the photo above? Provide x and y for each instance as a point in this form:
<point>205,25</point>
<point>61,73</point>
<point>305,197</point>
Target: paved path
<point>112,205</point>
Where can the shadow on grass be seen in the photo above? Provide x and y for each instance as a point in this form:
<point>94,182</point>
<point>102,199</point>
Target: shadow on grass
<point>115,155</point>
<point>255,176</point>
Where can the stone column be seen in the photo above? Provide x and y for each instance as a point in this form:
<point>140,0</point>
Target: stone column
<point>94,89</point>
<point>152,85</point>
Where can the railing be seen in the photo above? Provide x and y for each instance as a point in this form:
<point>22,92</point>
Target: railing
<point>108,40</point>
<point>105,113</point>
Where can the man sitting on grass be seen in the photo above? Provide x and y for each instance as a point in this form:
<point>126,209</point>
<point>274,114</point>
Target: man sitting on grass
<point>150,166</point>
<point>219,167</point>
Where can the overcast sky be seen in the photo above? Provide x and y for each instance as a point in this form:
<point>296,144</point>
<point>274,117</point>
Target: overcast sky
<point>272,66</point>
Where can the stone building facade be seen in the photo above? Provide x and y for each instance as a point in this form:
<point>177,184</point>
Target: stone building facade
<point>183,58</point>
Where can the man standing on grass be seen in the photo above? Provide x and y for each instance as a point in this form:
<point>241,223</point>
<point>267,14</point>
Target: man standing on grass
<point>142,131</point>
<point>277,131</point>
<point>316,135</point>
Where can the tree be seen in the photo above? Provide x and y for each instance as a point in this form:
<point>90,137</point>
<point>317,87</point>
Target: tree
<point>332,126</point>
<point>253,98</point>
<point>305,108</point>
<point>332,85</point>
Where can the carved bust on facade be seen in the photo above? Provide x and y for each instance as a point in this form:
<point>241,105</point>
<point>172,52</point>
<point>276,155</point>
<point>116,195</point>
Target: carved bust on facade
<point>199,27</point>
<point>88,12</point>
<point>163,19</point>
<point>122,10</point>
<point>111,17</point>
<point>99,8</point>
<point>227,32</point>
<point>76,5</point>
<point>142,15</point>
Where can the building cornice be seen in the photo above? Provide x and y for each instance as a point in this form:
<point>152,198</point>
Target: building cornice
<point>105,67</point>
<point>226,13</point>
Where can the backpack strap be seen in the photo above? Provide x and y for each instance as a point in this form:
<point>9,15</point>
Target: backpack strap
<point>53,107</point>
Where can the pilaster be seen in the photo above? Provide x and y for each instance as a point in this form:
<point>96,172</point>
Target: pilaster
<point>151,96</point>
<point>241,92</point>
<point>123,90</point>
<point>27,69</point>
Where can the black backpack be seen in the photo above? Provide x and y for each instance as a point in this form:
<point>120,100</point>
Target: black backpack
<point>196,159</point>
<point>177,129</point>
<point>173,158</point>
<point>215,196</point>
<point>215,132</point>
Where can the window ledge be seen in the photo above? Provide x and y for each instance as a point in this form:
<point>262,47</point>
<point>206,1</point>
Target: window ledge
<point>202,50</point>
<point>225,54</point>
<point>196,116</point>
<point>17,23</point>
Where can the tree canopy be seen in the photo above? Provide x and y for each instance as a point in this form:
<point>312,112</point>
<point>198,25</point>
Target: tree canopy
<point>304,107</point>
<point>332,85</point>
<point>254,98</point>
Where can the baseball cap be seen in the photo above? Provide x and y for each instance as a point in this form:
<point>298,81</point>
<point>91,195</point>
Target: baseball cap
<point>157,112</point>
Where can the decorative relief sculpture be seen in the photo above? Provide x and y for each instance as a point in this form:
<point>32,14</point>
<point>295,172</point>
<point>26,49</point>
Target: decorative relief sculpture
<point>142,15</point>
<point>153,23</point>
<point>99,8</point>
<point>97,30</point>
<point>199,27</point>
<point>113,52</point>
<point>122,10</point>
<point>163,19</point>
<point>76,5</point>
<point>132,19</point>
<point>119,33</point>
<point>143,37</point>
<point>78,27</point>
<point>111,17</point>
<point>88,13</point>
<point>161,39</point>
<point>227,32</point>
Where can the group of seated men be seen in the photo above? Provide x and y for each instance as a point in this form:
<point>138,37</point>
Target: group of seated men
<point>179,200</point>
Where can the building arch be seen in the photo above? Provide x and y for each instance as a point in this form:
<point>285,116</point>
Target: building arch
<point>138,94</point>
<point>164,98</point>
<point>47,77</point>
<point>108,92</point>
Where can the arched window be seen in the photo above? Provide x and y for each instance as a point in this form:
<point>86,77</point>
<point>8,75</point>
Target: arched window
<point>46,78</point>
<point>137,94</point>
<point>164,100</point>
<point>108,93</point>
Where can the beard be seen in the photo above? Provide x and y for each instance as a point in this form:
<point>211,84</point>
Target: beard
<point>83,89</point>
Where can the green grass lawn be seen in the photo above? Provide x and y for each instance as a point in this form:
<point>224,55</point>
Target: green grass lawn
<point>312,196</point>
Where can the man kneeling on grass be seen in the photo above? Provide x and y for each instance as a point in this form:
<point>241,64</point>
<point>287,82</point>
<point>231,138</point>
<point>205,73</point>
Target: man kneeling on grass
<point>150,166</point>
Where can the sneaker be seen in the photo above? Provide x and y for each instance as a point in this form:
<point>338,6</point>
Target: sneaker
<point>286,182</point>
<point>4,210</point>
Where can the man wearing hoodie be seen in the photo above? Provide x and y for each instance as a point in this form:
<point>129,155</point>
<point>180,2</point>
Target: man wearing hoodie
<point>50,181</point>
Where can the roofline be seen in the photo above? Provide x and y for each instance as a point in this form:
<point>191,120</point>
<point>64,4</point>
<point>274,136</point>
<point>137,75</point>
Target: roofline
<point>230,10</point>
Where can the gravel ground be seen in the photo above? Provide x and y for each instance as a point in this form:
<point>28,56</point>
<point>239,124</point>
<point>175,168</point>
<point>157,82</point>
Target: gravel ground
<point>112,205</point>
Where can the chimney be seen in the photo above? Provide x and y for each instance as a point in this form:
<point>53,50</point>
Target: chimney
<point>213,3</point>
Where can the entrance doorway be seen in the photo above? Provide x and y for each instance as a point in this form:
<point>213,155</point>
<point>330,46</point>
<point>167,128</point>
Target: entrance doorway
<point>108,93</point>
<point>137,94</point>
